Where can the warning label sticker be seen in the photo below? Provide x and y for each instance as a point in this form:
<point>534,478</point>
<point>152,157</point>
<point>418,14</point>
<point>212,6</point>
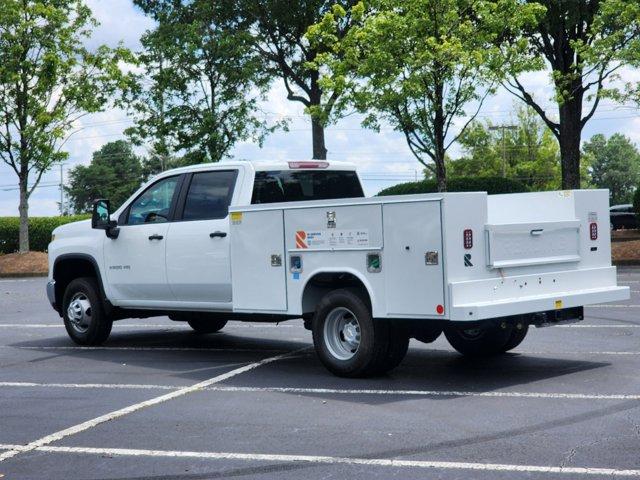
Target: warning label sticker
<point>332,238</point>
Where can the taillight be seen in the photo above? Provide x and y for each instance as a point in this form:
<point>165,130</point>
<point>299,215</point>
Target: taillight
<point>593,231</point>
<point>308,164</point>
<point>468,238</point>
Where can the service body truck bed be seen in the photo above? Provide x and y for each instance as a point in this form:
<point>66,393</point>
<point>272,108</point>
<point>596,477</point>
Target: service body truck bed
<point>455,256</point>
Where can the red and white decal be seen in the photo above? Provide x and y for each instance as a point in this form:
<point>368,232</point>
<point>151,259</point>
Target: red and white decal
<point>301,239</point>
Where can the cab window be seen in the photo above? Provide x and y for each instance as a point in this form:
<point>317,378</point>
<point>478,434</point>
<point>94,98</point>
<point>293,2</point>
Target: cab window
<point>154,205</point>
<point>209,195</point>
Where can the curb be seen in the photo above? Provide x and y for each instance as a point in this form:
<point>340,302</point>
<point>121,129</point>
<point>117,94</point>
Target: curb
<point>626,263</point>
<point>23,275</point>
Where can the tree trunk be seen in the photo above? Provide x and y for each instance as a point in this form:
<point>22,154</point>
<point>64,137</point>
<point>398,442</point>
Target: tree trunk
<point>23,208</point>
<point>438,140</point>
<point>570,134</point>
<point>317,132</point>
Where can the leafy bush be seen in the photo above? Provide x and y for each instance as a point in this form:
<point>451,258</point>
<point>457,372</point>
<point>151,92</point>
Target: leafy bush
<point>491,185</point>
<point>40,229</point>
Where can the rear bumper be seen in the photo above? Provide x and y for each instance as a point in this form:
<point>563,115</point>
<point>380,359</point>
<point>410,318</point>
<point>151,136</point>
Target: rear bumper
<point>484,299</point>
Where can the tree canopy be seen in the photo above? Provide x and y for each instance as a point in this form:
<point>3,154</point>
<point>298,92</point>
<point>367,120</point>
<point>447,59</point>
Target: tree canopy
<point>115,172</point>
<point>528,152</point>
<point>423,66</point>
<point>48,81</point>
<point>615,164</point>
<point>202,80</point>
<point>584,43</point>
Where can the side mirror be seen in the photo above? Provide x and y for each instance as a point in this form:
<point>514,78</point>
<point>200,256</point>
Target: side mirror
<point>101,218</point>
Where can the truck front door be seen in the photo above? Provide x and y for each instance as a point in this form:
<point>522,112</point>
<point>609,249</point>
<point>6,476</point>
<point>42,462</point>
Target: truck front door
<point>198,266</point>
<point>135,261</point>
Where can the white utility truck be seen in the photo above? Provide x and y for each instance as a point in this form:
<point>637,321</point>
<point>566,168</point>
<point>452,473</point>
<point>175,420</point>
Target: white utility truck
<point>296,240</point>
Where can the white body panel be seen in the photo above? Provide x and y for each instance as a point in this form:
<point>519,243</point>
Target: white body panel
<point>531,253</point>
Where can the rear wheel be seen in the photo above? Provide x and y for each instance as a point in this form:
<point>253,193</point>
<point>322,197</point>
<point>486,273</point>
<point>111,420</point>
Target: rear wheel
<point>479,342</point>
<point>518,334</point>
<point>349,342</point>
<point>206,326</point>
<point>84,317</point>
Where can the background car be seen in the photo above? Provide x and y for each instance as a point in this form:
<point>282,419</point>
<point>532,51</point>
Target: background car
<point>623,216</point>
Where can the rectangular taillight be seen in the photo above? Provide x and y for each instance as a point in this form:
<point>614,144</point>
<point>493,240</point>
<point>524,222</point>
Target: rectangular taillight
<point>593,231</point>
<point>468,238</point>
<point>308,164</point>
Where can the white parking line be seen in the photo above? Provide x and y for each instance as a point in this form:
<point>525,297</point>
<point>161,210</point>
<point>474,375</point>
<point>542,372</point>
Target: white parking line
<point>327,460</point>
<point>167,326</point>
<point>331,391</point>
<point>612,325</point>
<point>147,349</point>
<point>54,437</point>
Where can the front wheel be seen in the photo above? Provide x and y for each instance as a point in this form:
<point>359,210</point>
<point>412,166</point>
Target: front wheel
<point>84,317</point>
<point>479,342</point>
<point>349,342</point>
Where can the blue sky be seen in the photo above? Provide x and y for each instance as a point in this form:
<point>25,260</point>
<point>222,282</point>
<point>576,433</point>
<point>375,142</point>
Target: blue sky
<point>383,158</point>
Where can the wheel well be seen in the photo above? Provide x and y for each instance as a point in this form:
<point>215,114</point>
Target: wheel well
<point>68,269</point>
<point>322,283</point>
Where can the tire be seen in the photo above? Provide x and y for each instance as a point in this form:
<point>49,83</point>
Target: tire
<point>397,349</point>
<point>427,334</point>
<point>479,342</point>
<point>516,337</point>
<point>348,341</point>
<point>206,326</point>
<point>83,311</point>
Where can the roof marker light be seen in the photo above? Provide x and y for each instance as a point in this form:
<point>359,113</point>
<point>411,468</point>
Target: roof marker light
<point>308,164</point>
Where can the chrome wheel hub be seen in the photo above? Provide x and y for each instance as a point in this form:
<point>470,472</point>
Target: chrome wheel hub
<point>342,333</point>
<point>79,312</point>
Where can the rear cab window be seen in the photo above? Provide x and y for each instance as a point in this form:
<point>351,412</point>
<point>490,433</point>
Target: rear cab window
<point>302,185</point>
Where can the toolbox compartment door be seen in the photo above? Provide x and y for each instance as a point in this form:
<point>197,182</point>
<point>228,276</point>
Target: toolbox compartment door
<point>258,261</point>
<point>413,259</point>
<point>535,243</point>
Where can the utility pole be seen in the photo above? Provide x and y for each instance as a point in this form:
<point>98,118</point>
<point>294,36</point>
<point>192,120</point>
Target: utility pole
<point>61,190</point>
<point>504,144</point>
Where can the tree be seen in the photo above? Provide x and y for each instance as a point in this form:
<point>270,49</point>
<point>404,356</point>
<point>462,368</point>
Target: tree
<point>48,80</point>
<point>201,83</point>
<point>115,172</point>
<point>280,27</point>
<point>418,64</point>
<point>615,164</point>
<point>528,153</point>
<point>584,43</point>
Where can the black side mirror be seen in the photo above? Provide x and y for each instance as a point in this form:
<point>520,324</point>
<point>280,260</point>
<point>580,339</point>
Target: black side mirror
<point>101,218</point>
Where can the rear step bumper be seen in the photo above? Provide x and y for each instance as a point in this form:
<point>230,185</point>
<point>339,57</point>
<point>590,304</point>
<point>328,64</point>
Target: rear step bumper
<point>519,295</point>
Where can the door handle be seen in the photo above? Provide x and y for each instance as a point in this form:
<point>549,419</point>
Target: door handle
<point>156,237</point>
<point>218,234</point>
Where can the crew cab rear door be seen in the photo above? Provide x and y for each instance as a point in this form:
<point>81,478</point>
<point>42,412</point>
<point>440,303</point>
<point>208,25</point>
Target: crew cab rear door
<point>198,256</point>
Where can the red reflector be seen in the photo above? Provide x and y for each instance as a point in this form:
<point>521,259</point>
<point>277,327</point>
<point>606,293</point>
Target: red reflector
<point>593,231</point>
<point>308,164</point>
<point>440,309</point>
<point>468,238</point>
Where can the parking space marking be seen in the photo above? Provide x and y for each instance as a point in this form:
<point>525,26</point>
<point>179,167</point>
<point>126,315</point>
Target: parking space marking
<point>148,349</point>
<point>327,460</point>
<point>336,391</point>
<point>54,437</point>
<point>166,326</point>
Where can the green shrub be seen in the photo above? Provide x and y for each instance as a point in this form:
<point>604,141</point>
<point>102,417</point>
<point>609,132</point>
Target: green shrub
<point>491,185</point>
<point>40,229</point>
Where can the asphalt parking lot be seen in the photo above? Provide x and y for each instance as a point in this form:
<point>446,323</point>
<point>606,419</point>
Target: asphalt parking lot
<point>160,402</point>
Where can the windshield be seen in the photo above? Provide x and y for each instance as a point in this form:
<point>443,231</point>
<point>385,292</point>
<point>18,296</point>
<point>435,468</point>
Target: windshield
<point>294,186</point>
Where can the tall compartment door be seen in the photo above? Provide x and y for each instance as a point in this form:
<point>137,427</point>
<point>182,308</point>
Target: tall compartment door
<point>412,259</point>
<point>257,261</point>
